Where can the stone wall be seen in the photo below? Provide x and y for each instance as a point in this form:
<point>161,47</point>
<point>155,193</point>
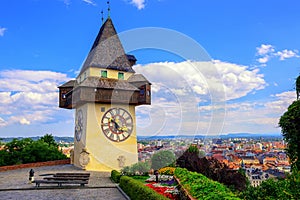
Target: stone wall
<point>38,164</point>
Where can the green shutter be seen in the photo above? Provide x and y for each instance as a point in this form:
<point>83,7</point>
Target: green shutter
<point>121,76</point>
<point>104,74</point>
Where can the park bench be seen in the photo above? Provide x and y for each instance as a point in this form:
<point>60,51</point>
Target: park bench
<point>65,178</point>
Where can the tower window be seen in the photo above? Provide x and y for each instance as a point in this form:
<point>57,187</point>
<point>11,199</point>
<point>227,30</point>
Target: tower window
<point>103,73</point>
<point>121,75</point>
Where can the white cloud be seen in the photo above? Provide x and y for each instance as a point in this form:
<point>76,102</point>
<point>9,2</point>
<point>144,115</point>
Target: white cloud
<point>287,54</point>
<point>140,4</point>
<point>2,31</point>
<point>90,2</point>
<point>266,52</point>
<point>199,78</point>
<point>265,49</point>
<point>28,97</point>
<point>178,88</point>
<point>255,116</point>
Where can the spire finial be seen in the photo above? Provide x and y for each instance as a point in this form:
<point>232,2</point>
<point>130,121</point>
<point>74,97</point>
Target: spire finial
<point>102,16</point>
<point>108,9</point>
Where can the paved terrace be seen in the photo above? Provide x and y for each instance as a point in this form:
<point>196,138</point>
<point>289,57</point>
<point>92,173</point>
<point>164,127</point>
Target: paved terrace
<point>14,185</point>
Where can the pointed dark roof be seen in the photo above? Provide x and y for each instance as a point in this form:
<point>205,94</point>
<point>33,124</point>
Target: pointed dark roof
<point>107,51</point>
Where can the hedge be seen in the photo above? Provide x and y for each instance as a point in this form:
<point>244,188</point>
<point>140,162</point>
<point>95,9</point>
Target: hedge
<point>137,190</point>
<point>201,187</point>
<point>115,176</point>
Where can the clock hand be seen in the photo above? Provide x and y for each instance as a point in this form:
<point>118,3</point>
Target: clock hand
<point>116,124</point>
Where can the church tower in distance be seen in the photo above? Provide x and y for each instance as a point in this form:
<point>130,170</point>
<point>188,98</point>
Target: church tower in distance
<point>105,94</point>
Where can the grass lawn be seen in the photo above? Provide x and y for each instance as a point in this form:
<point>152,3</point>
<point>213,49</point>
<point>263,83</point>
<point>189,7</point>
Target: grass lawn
<point>142,179</point>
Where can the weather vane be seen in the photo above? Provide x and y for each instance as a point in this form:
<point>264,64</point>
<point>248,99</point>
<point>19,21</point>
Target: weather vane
<point>108,9</point>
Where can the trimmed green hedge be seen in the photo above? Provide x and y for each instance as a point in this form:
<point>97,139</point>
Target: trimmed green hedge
<point>115,176</point>
<point>137,190</point>
<point>201,187</point>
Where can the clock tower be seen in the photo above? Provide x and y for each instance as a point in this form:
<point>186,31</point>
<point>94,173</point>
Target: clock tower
<point>104,95</point>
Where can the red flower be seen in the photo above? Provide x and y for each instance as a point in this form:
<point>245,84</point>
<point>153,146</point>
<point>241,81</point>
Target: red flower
<point>161,190</point>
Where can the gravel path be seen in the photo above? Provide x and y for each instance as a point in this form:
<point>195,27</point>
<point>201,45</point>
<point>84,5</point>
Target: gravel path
<point>14,185</point>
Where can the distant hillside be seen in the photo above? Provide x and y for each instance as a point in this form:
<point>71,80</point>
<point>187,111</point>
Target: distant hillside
<point>230,135</point>
<point>56,138</point>
<point>170,137</point>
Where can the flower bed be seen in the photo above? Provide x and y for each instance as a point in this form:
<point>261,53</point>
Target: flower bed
<point>168,191</point>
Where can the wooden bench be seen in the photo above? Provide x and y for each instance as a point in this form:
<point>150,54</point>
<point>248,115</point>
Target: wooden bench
<point>60,182</point>
<point>65,178</point>
<point>71,175</point>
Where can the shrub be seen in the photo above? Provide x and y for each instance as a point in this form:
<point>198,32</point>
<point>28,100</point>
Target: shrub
<point>137,190</point>
<point>162,159</point>
<point>167,170</point>
<point>275,189</point>
<point>28,151</point>
<point>193,149</point>
<point>115,176</point>
<point>201,187</point>
<point>213,169</point>
<point>141,168</point>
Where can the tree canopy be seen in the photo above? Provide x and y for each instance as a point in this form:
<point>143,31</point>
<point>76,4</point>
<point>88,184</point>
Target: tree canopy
<point>27,151</point>
<point>290,128</point>
<point>162,159</point>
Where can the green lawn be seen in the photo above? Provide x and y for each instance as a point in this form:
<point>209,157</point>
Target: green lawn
<point>141,179</point>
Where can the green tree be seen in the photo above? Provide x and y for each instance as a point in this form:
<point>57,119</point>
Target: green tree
<point>15,150</point>
<point>27,151</point>
<point>298,87</point>
<point>49,139</point>
<point>141,167</point>
<point>275,189</point>
<point>290,128</point>
<point>162,159</point>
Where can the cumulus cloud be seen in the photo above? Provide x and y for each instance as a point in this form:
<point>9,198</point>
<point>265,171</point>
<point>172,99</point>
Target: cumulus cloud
<point>259,116</point>
<point>287,54</point>
<point>2,31</point>
<point>140,4</point>
<point>199,78</point>
<point>266,52</point>
<point>265,49</point>
<point>28,96</point>
<point>179,88</point>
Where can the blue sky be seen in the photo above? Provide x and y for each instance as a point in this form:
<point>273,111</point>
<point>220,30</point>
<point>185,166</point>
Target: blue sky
<point>254,47</point>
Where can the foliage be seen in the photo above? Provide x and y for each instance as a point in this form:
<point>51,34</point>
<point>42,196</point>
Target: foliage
<point>213,169</point>
<point>137,190</point>
<point>193,149</point>
<point>290,128</point>
<point>49,139</point>
<point>141,168</point>
<point>167,170</point>
<point>201,187</point>
<point>275,189</point>
<point>298,87</point>
<point>27,151</point>
<point>115,176</point>
<point>162,159</point>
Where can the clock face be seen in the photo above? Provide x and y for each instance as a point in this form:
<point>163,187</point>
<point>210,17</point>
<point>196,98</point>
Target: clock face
<point>117,124</point>
<point>79,125</point>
